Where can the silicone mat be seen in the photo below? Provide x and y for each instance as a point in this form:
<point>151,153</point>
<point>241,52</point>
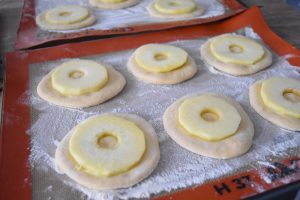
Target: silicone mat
<point>29,35</point>
<point>15,171</point>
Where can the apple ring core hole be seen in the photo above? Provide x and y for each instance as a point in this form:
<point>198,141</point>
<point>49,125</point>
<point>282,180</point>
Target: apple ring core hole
<point>64,14</point>
<point>235,48</point>
<point>107,141</point>
<point>76,74</point>
<point>209,115</point>
<point>292,95</point>
<point>160,56</point>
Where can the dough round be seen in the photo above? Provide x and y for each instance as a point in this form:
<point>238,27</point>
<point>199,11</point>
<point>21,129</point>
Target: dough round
<point>187,71</point>
<point>114,85</point>
<point>44,24</point>
<point>233,146</point>
<point>112,6</point>
<point>138,173</point>
<point>155,13</point>
<point>235,69</point>
<point>284,121</point>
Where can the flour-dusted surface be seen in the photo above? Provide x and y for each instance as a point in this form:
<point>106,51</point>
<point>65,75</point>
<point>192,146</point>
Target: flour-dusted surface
<point>178,168</point>
<point>135,15</point>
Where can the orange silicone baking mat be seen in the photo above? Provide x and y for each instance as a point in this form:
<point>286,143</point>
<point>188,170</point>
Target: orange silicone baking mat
<point>15,171</point>
<point>29,35</point>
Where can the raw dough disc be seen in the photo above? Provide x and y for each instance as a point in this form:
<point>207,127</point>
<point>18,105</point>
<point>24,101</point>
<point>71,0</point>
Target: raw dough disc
<point>44,24</point>
<point>233,146</point>
<point>181,74</point>
<point>138,173</point>
<point>114,85</point>
<point>155,13</point>
<point>235,69</point>
<point>258,105</point>
<point>112,6</point>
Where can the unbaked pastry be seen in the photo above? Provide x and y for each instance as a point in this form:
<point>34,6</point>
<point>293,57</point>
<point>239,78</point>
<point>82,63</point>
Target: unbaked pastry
<point>233,68</point>
<point>284,121</point>
<point>199,10</point>
<point>65,18</point>
<point>136,174</point>
<point>112,87</point>
<point>232,146</point>
<point>111,6</point>
<point>174,76</point>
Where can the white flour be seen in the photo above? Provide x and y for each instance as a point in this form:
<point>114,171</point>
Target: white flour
<point>178,168</point>
<point>135,15</point>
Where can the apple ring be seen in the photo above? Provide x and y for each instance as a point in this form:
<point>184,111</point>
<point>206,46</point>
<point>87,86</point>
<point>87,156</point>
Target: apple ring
<point>209,118</point>
<point>101,145</point>
<point>175,6</point>
<point>78,77</point>
<point>171,9</point>
<point>160,58</point>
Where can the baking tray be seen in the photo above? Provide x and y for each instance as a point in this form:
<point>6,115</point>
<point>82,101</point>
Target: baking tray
<point>15,171</point>
<point>29,35</point>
